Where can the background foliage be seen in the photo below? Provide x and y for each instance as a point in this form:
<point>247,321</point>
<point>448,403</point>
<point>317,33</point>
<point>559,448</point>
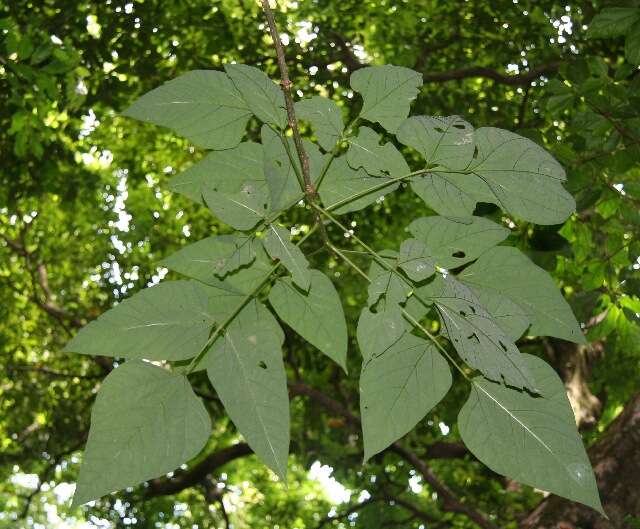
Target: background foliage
<point>86,216</point>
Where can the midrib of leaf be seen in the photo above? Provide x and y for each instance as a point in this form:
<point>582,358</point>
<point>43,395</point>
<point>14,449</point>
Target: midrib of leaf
<point>387,94</point>
<point>286,249</point>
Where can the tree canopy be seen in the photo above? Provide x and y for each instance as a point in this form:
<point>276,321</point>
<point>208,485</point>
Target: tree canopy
<point>88,218</point>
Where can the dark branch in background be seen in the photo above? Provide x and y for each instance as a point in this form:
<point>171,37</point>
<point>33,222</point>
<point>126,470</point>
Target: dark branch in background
<point>353,63</point>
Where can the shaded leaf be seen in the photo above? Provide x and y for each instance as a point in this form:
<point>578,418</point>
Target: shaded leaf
<point>242,210</point>
<point>261,94</point>
<point>475,335</point>
<point>246,369</point>
<point>523,437</point>
<point>398,388</point>
<point>416,260</point>
<point>613,22</point>
<point>201,105</point>
<point>524,178</point>
<point>342,182</point>
<point>277,243</point>
<point>387,92</point>
<point>170,321</point>
<point>377,331</point>
<point>456,241</point>
<point>378,160</point>
<point>632,43</point>
<point>509,272</point>
<point>509,316</point>
<point>442,141</point>
<point>146,422</point>
<point>316,315</point>
<point>325,117</point>
<point>451,194</point>
<point>385,283</point>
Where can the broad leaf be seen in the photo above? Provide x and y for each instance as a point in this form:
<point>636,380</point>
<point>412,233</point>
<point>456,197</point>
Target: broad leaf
<point>451,194</point>
<point>632,44</point>
<point>209,259</point>
<point>325,117</point>
<point>378,160</point>
<point>480,342</point>
<point>530,439</point>
<point>387,92</point>
<point>377,331</point>
<point>316,315</point>
<point>509,316</point>
<point>456,241</point>
<point>202,105</point>
<point>231,171</point>
<point>386,284</point>
<point>416,260</point>
<point>342,182</point>
<point>508,272</point>
<point>261,94</point>
<point>241,210</point>
<point>444,142</point>
<point>146,422</point>
<point>277,243</point>
<point>524,178</point>
<point>246,369</point>
<point>170,321</point>
<point>398,387</point>
<point>613,22</point>
<point>284,186</point>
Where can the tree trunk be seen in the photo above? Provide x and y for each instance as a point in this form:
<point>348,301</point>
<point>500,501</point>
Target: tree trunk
<point>616,462</point>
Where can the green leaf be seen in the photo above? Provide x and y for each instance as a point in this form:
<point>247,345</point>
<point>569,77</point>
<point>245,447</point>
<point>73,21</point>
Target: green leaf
<point>613,22</point>
<point>263,97</point>
<point>632,44</point>
<point>170,321</point>
<point>325,117</point>
<point>230,172</point>
<point>342,182</point>
<point>242,210</point>
<point>146,422</point>
<point>387,92</point>
<point>246,369</point>
<point>475,335</point>
<point>398,388</point>
<point>452,195</point>
<point>510,273</point>
<point>456,241</point>
<point>446,142</point>
<point>377,331</point>
<point>284,186</point>
<point>206,260</point>
<point>530,439</point>
<point>316,315</point>
<point>213,256</point>
<point>378,160</point>
<point>277,243</point>
<point>524,178</point>
<point>416,260</point>
<point>386,284</point>
<point>201,105</point>
<point>509,316</point>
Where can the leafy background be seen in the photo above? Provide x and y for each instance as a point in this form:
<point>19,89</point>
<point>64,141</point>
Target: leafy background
<point>86,216</point>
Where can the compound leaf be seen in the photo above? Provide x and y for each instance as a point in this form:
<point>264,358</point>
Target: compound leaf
<point>261,94</point>
<point>387,92</point>
<point>342,182</point>
<point>416,260</point>
<point>201,105</point>
<point>316,315</point>
<point>442,141</point>
<point>277,243</point>
<point>146,422</point>
<point>530,439</point>
<point>246,369</point>
<point>398,387</point>
<point>524,178</point>
<point>456,241</point>
<point>325,117</point>
<point>170,321</point>
<point>480,342</point>
<point>378,160</point>
<point>509,272</point>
